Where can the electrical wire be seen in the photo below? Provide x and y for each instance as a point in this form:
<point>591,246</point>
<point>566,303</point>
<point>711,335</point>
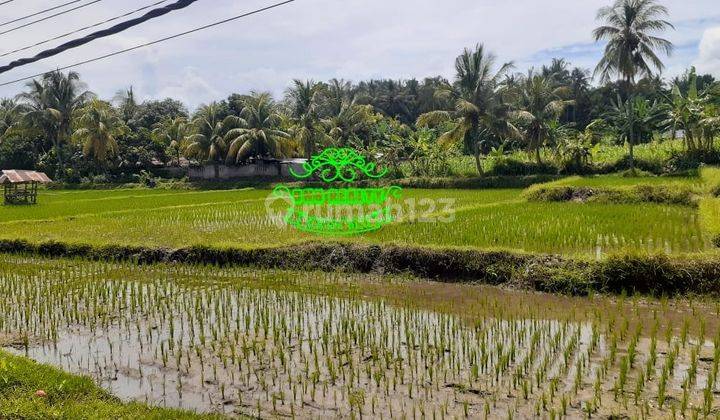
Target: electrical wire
<point>49,17</point>
<point>37,44</point>
<point>6,2</point>
<point>120,27</point>
<point>38,13</point>
<point>147,44</point>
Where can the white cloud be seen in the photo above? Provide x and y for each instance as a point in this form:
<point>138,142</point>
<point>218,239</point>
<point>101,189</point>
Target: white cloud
<point>321,39</point>
<point>190,88</point>
<point>709,58</point>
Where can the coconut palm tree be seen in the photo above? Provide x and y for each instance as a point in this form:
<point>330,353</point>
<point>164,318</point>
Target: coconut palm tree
<point>337,94</point>
<point>351,126</point>
<point>172,133</point>
<point>394,101</point>
<point>8,115</point>
<point>209,127</point>
<point>540,104</point>
<point>480,110</point>
<point>97,127</point>
<point>258,132</point>
<point>49,106</point>
<point>579,85</point>
<point>308,131</point>
<point>557,71</point>
<point>632,47</point>
<point>126,103</point>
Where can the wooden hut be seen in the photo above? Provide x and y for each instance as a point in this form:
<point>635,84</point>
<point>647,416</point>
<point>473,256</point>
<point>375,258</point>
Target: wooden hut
<point>21,186</point>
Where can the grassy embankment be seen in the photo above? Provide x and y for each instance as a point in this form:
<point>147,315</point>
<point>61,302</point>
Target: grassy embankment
<point>63,395</point>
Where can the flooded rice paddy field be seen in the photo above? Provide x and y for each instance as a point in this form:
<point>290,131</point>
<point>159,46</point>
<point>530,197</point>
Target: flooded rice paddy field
<point>325,345</point>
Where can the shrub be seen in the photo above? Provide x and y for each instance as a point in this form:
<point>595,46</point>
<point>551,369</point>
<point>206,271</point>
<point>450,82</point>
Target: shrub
<point>515,167</point>
<point>476,182</point>
<point>685,160</point>
<point>661,194</point>
<point>647,274</point>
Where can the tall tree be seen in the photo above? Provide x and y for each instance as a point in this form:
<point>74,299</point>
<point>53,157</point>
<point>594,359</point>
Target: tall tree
<point>209,125</point>
<point>632,47</point>
<point>578,112</point>
<point>352,125</point>
<point>557,71</point>
<point>337,94</point>
<point>126,103</point>
<point>481,113</point>
<point>49,106</point>
<point>172,134</point>
<point>258,133</point>
<point>152,112</point>
<point>97,127</point>
<point>305,99</point>
<point>631,50</point>
<point>540,104</point>
<point>8,115</point>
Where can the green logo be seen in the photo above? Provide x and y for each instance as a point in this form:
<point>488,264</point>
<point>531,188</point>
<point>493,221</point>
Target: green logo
<point>338,165</point>
<point>338,210</point>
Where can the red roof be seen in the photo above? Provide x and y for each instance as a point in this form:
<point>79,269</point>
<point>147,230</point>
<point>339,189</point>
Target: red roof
<point>14,176</point>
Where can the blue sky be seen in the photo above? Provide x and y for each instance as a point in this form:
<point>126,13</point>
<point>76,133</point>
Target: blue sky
<point>350,39</point>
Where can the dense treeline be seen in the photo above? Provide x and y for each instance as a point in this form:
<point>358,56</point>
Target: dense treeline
<point>492,109</point>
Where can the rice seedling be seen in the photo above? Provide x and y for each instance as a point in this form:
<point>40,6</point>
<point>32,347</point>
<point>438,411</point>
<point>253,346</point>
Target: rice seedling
<point>274,343</point>
<point>240,218</point>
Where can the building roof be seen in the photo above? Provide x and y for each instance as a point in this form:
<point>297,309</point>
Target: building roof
<point>15,176</point>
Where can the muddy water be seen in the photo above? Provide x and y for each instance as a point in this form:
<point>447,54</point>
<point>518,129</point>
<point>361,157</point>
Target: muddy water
<point>180,337</point>
<point>131,356</point>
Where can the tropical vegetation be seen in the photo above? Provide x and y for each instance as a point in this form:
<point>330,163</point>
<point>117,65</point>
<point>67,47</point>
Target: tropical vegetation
<point>491,116</point>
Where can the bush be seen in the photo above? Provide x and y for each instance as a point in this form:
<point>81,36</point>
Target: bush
<point>476,182</point>
<point>660,194</point>
<point>515,167</point>
<point>657,275</point>
<point>687,160</point>
<point>652,166</point>
<point>17,153</point>
<point>647,274</point>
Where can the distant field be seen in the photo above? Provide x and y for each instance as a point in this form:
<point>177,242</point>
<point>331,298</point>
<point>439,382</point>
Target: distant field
<point>621,181</point>
<point>484,219</point>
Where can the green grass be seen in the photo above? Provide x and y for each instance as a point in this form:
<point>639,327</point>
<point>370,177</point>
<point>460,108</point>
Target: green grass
<point>623,181</point>
<point>600,155</point>
<point>484,219</point>
<point>68,396</point>
<point>653,151</point>
<point>710,215</point>
<point>568,228</point>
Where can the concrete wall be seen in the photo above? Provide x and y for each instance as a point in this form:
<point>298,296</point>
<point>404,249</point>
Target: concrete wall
<point>254,170</point>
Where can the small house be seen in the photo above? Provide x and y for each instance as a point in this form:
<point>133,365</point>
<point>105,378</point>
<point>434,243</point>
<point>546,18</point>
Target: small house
<point>20,187</point>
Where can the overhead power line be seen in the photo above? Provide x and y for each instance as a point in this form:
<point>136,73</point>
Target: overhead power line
<point>147,44</point>
<point>37,44</point>
<point>38,13</point>
<point>120,27</point>
<point>82,6</point>
<point>6,2</point>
